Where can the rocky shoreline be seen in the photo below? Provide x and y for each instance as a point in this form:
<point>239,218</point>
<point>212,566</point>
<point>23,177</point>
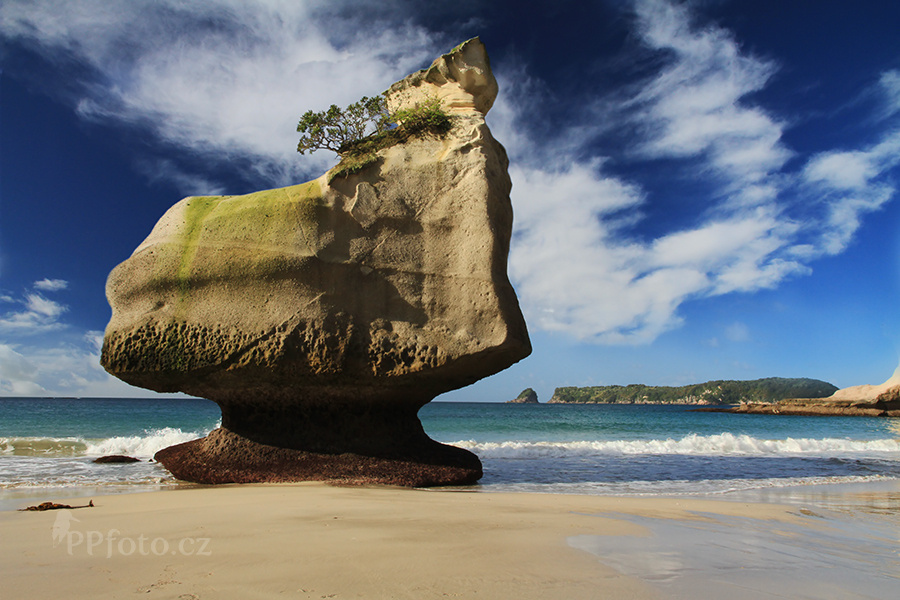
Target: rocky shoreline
<point>885,404</point>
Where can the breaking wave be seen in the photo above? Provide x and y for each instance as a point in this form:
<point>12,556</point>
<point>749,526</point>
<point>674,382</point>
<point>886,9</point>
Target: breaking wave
<point>725,444</point>
<point>138,446</point>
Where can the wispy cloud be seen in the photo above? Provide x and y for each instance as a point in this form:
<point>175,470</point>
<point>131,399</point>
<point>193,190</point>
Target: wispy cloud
<point>694,106</point>
<point>43,355</point>
<point>35,313</point>
<point>64,368</point>
<point>17,374</point>
<point>579,259</point>
<point>51,285</point>
<point>851,184</point>
<point>890,88</point>
<point>188,183</point>
<point>224,79</point>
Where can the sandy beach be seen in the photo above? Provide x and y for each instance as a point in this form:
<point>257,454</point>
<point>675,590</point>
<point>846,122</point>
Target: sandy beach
<point>317,541</point>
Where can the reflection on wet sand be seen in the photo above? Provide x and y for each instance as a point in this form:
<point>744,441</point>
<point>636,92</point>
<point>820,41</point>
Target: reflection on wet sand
<point>844,544</point>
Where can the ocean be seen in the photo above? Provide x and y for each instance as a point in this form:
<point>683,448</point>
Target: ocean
<point>48,445</point>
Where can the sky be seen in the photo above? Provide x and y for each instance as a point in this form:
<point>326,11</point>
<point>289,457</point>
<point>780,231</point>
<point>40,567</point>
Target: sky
<point>702,189</point>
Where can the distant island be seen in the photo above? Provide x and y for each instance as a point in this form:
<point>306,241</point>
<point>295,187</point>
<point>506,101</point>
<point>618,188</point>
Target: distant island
<point>528,396</point>
<point>771,389</point>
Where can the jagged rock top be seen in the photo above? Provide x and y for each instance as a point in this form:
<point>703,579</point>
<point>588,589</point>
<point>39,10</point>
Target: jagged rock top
<point>462,79</point>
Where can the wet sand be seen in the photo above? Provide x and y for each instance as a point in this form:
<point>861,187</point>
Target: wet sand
<point>317,541</point>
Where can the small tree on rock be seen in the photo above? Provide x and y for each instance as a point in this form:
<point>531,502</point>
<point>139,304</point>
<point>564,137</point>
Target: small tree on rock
<point>334,129</point>
<point>365,126</point>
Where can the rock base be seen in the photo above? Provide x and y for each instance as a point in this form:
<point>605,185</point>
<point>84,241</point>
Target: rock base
<point>226,457</point>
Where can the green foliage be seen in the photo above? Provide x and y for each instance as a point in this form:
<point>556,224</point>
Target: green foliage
<point>422,119</point>
<point>526,393</point>
<point>334,128</point>
<point>771,389</point>
<point>364,127</point>
<point>425,116</point>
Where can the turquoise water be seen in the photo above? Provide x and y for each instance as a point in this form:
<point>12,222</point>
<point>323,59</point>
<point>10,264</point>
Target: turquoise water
<point>598,449</point>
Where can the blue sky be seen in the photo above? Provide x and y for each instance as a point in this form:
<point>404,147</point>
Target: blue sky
<point>702,190</point>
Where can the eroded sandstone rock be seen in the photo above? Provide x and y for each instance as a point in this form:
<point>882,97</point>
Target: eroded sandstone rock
<point>322,316</point>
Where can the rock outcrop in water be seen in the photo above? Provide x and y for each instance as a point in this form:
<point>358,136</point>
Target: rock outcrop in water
<point>526,396</point>
<point>322,316</point>
<point>861,400</point>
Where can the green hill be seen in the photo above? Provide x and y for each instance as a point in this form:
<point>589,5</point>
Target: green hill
<point>770,389</point>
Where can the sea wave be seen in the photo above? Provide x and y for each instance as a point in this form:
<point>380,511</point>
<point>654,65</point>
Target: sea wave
<point>147,445</point>
<point>38,446</point>
<point>138,446</point>
<point>688,487</point>
<point>725,444</point>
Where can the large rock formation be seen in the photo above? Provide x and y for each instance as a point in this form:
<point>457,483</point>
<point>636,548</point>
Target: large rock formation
<point>322,316</point>
<point>881,400</point>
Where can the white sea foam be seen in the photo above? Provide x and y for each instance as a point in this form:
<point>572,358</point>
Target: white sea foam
<point>35,462</point>
<point>725,444</point>
<point>142,446</point>
<point>25,472</point>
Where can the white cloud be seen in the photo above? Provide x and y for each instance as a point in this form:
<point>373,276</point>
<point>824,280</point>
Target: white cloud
<point>40,314</point>
<point>564,259</point>
<point>41,355</point>
<point>693,106</point>
<point>190,184</point>
<point>577,270</point>
<point>64,368</point>
<point>890,87</point>
<point>841,170</point>
<point>579,261</point>
<point>17,374</point>
<point>228,79</point>
<point>51,285</point>
<point>224,79</point>
<point>850,185</point>
<point>43,307</point>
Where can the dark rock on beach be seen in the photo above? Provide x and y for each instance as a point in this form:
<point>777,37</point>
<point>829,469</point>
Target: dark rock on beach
<point>322,316</point>
<point>116,458</point>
